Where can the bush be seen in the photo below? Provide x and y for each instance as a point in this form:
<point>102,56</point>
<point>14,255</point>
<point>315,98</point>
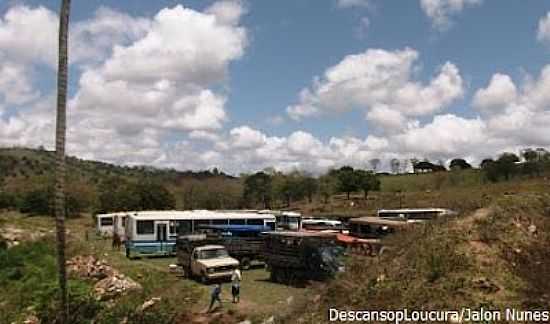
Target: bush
<point>7,200</point>
<point>37,202</point>
<point>28,278</point>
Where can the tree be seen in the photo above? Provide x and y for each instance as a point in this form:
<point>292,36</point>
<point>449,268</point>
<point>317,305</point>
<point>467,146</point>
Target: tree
<point>36,202</point>
<point>60,132</point>
<point>367,181</point>
<point>395,164</point>
<point>7,200</point>
<point>530,155</point>
<point>257,188</point>
<point>309,187</point>
<point>506,164</point>
<point>459,164</point>
<point>347,180</point>
<point>327,186</point>
<point>374,164</point>
<point>153,196</point>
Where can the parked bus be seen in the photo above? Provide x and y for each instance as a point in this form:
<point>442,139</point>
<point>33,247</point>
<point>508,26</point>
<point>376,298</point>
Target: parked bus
<point>106,224</point>
<point>412,215</point>
<point>390,220</point>
<point>155,232</point>
<point>318,224</point>
<point>287,220</point>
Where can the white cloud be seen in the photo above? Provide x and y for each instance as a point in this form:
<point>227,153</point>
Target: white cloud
<point>363,27</point>
<point>380,83</point>
<point>353,3</point>
<point>543,32</point>
<point>93,39</point>
<point>29,35</point>
<point>161,83</point>
<point>500,92</point>
<point>245,137</point>
<point>228,12</point>
<point>440,11</point>
<point>15,84</point>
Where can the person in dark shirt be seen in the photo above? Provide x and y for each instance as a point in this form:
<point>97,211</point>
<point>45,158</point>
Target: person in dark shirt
<point>215,296</point>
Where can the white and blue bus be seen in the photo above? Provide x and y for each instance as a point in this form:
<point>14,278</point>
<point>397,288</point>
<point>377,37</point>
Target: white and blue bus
<point>107,224</point>
<point>155,232</point>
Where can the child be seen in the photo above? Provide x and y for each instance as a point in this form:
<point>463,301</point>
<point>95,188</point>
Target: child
<point>215,296</point>
<point>236,278</point>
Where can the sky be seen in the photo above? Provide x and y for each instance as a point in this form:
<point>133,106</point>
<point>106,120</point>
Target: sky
<point>302,84</point>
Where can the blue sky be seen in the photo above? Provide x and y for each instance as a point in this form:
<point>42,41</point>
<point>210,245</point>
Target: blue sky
<point>286,45</point>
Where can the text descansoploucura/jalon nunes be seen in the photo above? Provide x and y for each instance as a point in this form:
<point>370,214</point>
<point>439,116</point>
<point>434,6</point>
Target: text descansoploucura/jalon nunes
<point>470,315</point>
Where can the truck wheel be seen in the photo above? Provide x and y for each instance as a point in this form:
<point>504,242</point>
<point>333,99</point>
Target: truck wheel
<point>245,263</point>
<point>204,279</point>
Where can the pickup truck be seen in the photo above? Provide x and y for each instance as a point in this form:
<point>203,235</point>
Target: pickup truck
<point>204,258</point>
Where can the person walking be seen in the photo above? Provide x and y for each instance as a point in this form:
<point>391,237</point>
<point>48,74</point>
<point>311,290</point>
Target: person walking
<point>215,296</point>
<point>236,279</point>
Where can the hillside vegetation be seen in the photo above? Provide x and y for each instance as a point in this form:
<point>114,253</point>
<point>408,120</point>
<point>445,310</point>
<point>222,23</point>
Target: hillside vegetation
<point>495,257</point>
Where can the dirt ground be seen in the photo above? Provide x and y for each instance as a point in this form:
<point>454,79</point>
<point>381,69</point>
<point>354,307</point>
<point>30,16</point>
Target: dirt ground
<point>260,298</point>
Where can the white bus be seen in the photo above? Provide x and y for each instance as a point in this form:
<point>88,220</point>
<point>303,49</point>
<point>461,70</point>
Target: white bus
<point>155,232</point>
<point>413,215</point>
<point>287,220</point>
<point>106,224</point>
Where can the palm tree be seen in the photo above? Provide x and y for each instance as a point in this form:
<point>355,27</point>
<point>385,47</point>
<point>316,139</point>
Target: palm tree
<point>60,130</point>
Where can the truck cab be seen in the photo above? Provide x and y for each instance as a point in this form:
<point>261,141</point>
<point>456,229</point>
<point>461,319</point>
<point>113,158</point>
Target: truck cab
<point>201,259</point>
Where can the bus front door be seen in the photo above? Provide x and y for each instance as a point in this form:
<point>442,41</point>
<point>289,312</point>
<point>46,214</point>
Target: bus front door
<point>162,238</point>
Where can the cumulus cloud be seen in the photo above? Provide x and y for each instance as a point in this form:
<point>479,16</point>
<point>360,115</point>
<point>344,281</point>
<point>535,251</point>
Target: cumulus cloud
<point>380,83</point>
<point>15,84</point>
<point>543,32</point>
<point>440,11</point>
<point>497,95</point>
<point>28,35</point>
<point>352,3</point>
<point>144,81</point>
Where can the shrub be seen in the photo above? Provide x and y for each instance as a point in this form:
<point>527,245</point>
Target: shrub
<point>7,200</point>
<point>37,202</point>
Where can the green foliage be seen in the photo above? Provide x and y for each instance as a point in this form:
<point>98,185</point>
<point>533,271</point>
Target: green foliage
<point>29,279</point>
<point>327,186</point>
<point>348,181</point>
<point>258,189</point>
<point>460,164</point>
<point>7,200</point>
<point>116,194</point>
<point>37,202</point>
<point>367,181</point>
<point>212,193</point>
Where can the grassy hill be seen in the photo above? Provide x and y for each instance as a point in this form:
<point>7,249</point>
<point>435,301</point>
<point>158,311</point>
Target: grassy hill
<point>495,257</point>
<point>23,171</point>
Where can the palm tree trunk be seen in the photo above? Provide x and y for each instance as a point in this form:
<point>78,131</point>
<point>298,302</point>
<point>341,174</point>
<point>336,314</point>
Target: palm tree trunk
<point>60,130</point>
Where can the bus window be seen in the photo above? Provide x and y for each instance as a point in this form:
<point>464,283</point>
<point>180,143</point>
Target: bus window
<point>197,224</point>
<point>254,222</point>
<point>219,222</point>
<point>145,227</point>
<point>237,222</point>
<point>106,221</point>
<point>271,225</point>
<point>184,227</point>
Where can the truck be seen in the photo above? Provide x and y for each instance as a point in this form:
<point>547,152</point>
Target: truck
<point>292,257</point>
<point>204,257</point>
<point>243,242</point>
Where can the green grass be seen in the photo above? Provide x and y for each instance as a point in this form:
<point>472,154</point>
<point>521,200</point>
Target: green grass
<point>260,298</point>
